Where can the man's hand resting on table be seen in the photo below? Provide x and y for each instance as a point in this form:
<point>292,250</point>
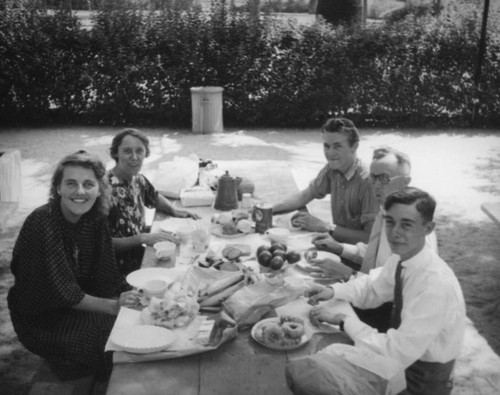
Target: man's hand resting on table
<point>319,314</point>
<point>308,222</point>
<point>316,293</point>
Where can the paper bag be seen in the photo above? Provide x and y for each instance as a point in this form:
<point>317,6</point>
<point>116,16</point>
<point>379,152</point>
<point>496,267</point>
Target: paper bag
<point>180,173</point>
<point>248,305</point>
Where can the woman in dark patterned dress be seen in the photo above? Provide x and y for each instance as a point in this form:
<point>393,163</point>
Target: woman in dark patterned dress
<point>131,192</point>
<point>67,288</point>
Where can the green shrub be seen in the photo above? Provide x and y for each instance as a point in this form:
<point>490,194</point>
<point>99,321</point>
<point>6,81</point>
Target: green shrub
<point>137,67</point>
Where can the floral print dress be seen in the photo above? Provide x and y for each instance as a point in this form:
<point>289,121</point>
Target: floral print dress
<point>126,216</point>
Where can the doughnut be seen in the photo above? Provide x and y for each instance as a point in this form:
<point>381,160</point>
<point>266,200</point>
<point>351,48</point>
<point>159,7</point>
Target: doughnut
<point>293,330</point>
<point>273,334</point>
<point>289,318</point>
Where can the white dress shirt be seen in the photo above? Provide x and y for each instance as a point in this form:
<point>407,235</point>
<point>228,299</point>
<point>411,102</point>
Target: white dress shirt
<point>433,315</point>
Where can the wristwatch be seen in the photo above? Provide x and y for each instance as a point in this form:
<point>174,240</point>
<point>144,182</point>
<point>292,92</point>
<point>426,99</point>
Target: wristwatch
<point>341,326</point>
<point>331,229</point>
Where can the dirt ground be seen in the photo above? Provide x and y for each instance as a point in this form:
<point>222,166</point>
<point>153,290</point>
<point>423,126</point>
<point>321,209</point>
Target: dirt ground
<point>460,168</point>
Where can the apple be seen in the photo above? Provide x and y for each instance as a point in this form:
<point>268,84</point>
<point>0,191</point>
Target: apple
<point>292,257</point>
<point>276,263</point>
<point>264,258</point>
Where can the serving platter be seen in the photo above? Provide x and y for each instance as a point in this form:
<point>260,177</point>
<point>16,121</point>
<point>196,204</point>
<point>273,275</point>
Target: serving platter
<point>217,231</point>
<point>257,330</point>
<point>142,339</point>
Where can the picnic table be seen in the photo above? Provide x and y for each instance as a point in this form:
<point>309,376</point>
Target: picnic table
<point>240,366</point>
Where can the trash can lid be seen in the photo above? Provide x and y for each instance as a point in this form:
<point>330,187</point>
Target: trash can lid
<point>207,89</point>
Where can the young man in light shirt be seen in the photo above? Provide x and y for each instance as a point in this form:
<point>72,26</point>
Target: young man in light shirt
<point>429,316</point>
<point>353,203</point>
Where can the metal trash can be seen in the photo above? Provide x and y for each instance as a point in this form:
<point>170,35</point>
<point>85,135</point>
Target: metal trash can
<point>10,176</point>
<point>207,109</point>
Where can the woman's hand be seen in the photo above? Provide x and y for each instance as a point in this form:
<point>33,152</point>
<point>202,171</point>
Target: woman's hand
<point>185,214</point>
<point>129,299</point>
<point>151,239</point>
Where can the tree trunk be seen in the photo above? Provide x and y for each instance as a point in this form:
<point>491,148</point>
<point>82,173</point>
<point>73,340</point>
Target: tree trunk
<point>339,11</point>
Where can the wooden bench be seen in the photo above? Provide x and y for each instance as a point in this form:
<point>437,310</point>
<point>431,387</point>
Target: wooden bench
<point>45,382</point>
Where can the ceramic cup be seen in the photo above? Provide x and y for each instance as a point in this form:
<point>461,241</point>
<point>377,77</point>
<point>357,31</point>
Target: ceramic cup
<point>165,250</point>
<point>184,233</point>
<point>278,234</point>
<point>156,288</point>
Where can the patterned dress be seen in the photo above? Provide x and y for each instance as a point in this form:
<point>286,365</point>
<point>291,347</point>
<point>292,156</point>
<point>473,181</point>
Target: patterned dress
<point>126,216</point>
<point>55,263</point>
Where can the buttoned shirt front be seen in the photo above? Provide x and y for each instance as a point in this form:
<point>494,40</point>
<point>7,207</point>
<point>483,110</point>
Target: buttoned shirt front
<point>353,203</point>
<point>433,314</point>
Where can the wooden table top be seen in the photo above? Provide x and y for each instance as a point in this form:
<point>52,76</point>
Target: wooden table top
<point>492,210</point>
<point>241,366</point>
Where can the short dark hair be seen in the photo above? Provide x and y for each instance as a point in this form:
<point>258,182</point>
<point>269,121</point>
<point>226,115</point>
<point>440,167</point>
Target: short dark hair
<point>425,203</point>
<point>402,158</point>
<point>342,125</point>
<point>87,161</point>
<point>117,140</point>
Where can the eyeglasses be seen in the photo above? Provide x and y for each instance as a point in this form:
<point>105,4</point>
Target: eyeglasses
<point>383,178</point>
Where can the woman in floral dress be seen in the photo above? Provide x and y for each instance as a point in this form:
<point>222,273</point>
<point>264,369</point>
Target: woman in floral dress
<point>68,290</point>
<point>131,193</point>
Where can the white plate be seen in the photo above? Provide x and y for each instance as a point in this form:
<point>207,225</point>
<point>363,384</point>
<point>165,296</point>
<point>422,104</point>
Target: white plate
<point>172,224</point>
<point>257,328</point>
<point>140,277</point>
<point>142,339</point>
<point>217,231</point>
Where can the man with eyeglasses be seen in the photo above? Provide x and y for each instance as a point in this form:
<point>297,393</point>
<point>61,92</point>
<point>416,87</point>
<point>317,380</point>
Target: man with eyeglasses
<point>389,172</point>
<point>345,179</point>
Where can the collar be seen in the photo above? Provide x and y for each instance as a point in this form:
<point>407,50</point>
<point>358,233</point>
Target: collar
<point>115,180</point>
<point>419,260</point>
<point>351,171</point>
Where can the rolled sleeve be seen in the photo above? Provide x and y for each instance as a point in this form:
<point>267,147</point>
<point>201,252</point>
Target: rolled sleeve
<point>321,185</point>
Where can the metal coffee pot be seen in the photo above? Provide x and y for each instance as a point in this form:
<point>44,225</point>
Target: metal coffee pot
<point>227,193</point>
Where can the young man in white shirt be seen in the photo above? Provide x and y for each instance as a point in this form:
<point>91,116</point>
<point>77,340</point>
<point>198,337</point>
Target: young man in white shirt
<point>429,315</point>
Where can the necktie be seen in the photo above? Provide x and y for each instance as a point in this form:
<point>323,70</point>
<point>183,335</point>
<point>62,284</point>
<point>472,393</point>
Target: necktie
<point>397,306</point>
<point>370,258</point>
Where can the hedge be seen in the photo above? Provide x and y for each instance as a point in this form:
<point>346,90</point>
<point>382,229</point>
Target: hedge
<point>136,67</point>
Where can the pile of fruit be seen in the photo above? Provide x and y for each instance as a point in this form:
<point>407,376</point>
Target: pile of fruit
<point>233,223</point>
<point>276,255</point>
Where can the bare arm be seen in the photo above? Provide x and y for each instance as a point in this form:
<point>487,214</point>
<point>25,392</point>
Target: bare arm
<point>293,202</point>
<point>163,204</point>
<point>352,236</point>
<point>108,306</point>
<point>98,305</point>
